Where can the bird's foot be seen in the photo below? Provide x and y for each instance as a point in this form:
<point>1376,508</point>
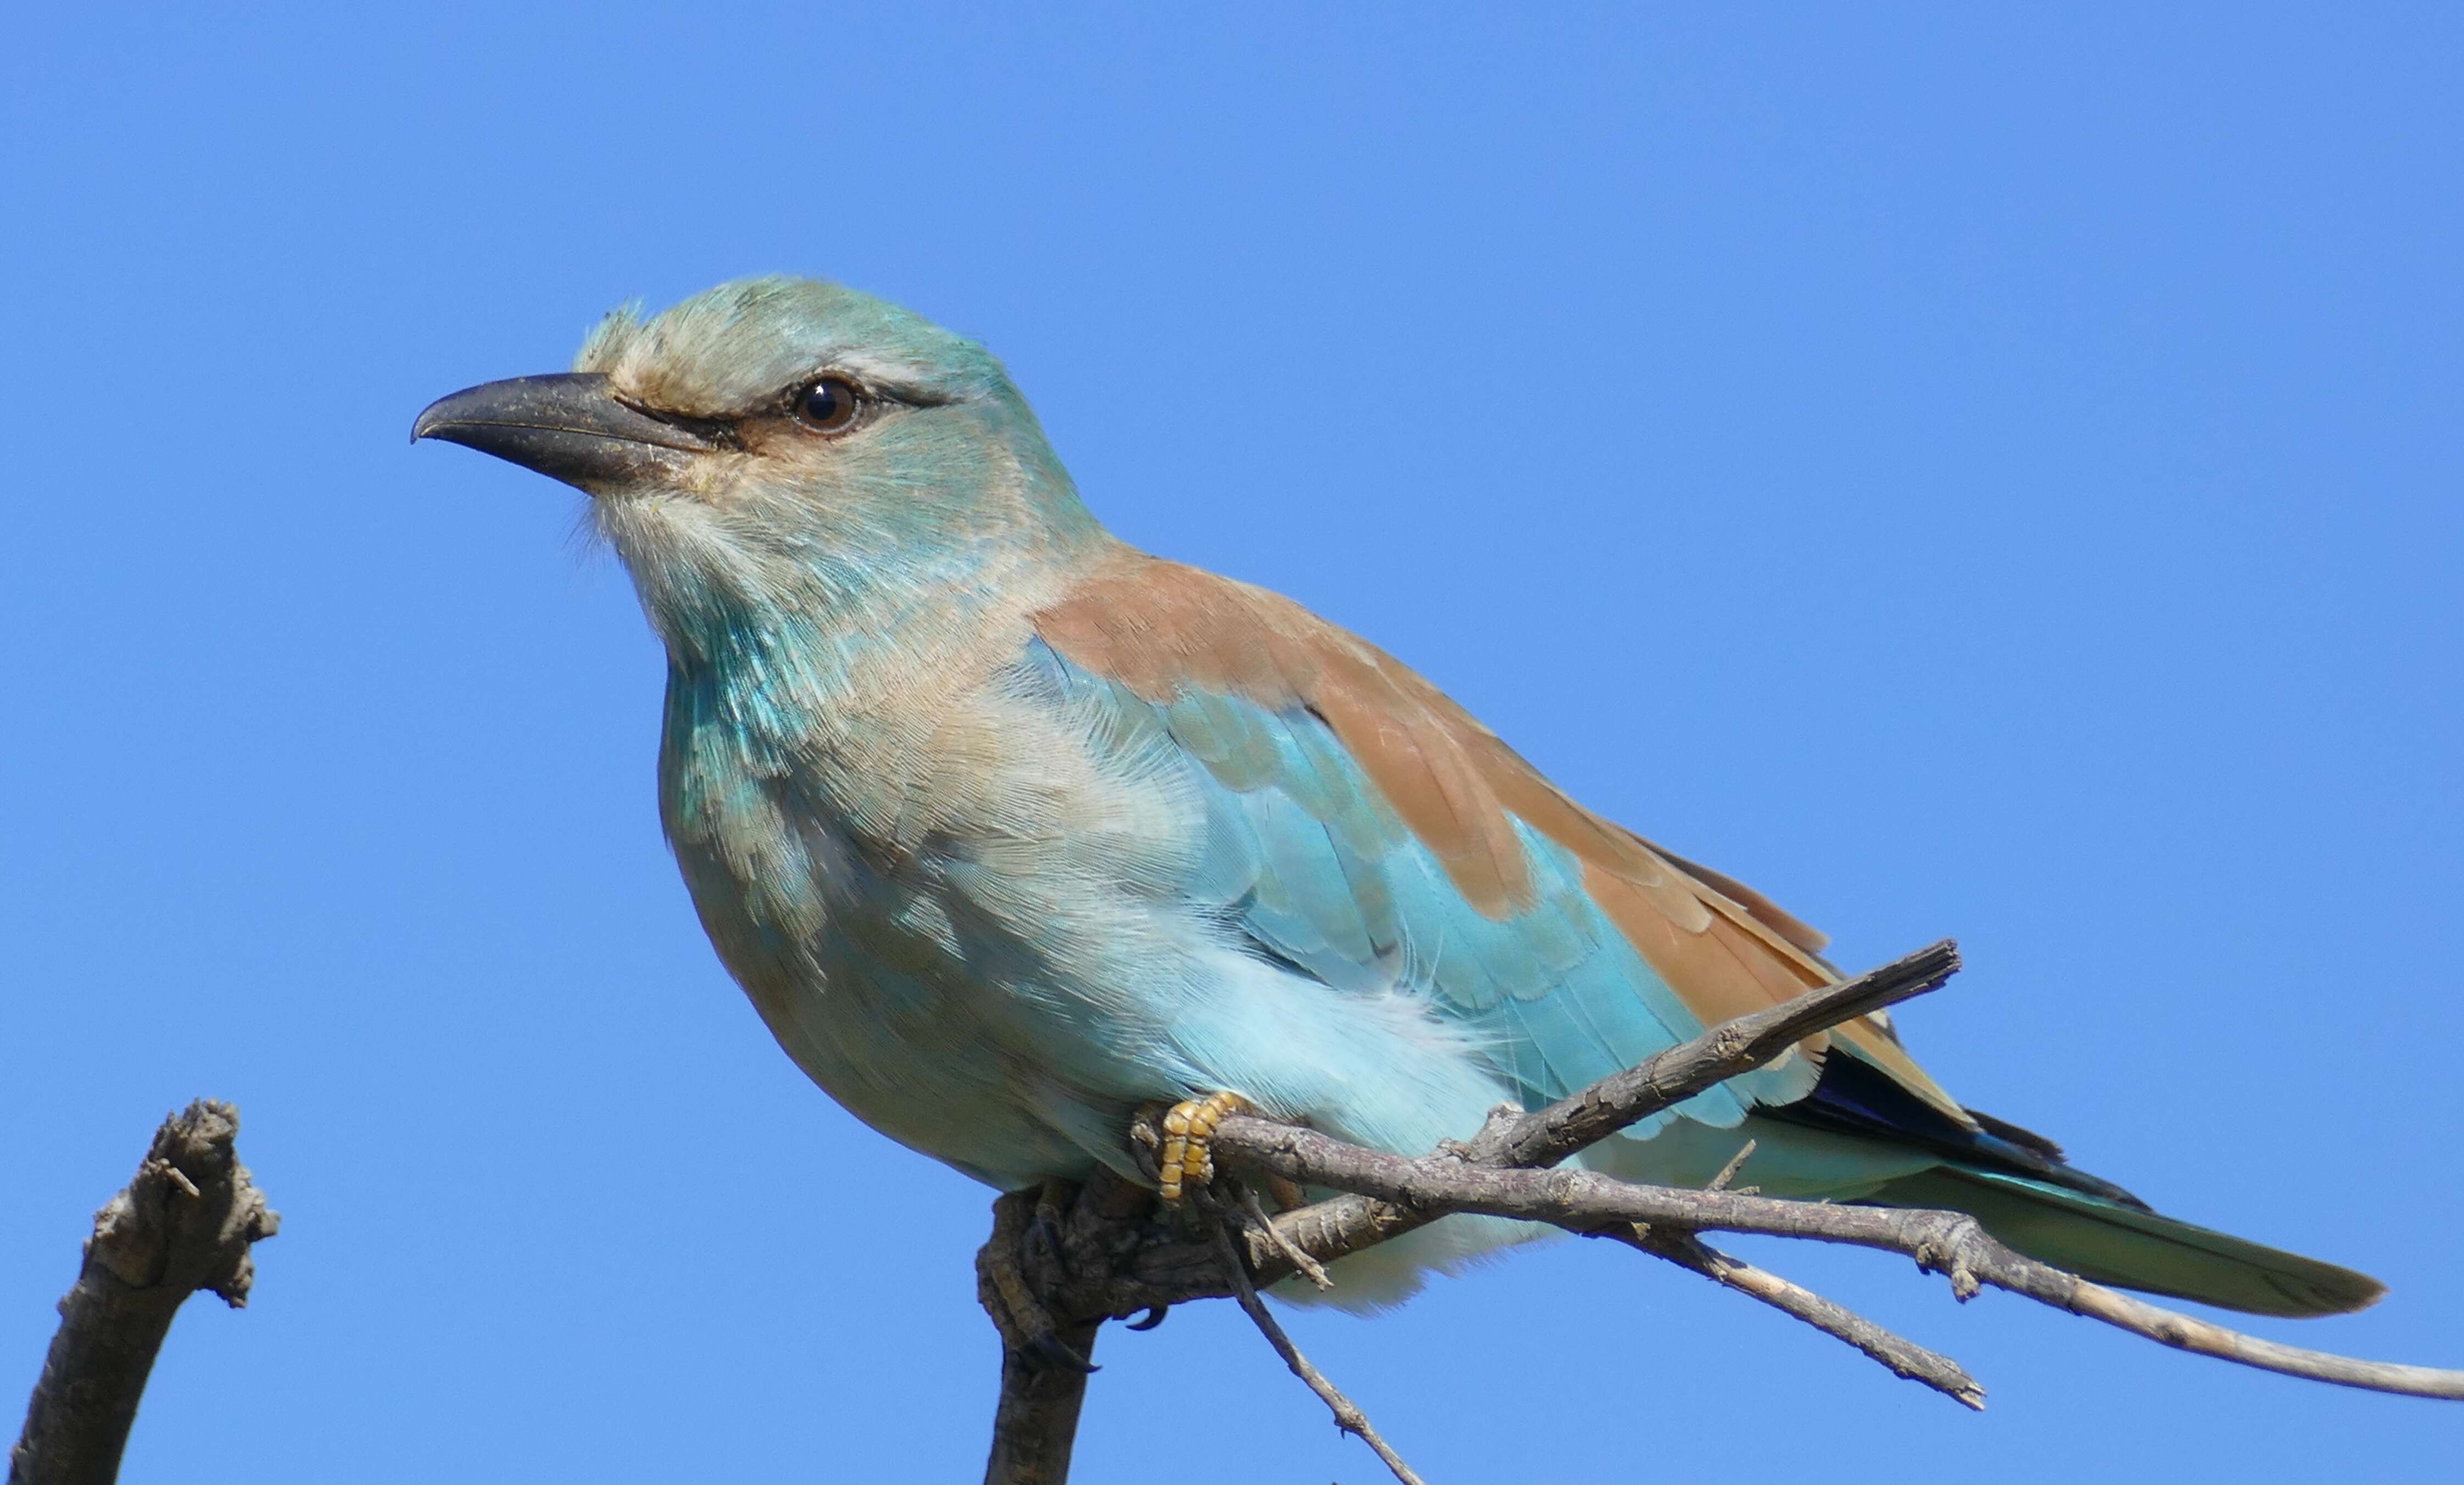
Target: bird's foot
<point>1013,1299</point>
<point>1187,1157</point>
<point>1044,1256</point>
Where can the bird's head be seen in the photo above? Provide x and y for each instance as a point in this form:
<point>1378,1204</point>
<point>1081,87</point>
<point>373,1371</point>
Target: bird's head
<point>786,448</point>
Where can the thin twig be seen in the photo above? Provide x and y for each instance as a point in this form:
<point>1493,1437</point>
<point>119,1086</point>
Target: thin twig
<point>1728,1171</point>
<point>1949,1243</point>
<point>2044,1282</point>
<point>1121,1264</point>
<point>1547,1136</point>
<point>1904,1357</point>
<point>1310,1268</point>
<point>185,1223</point>
<point>1343,1225</point>
<point>1348,1415</point>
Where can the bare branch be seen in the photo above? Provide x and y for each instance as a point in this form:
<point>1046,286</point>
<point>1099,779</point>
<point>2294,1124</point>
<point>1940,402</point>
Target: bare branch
<point>1950,1243</point>
<point>183,1223</point>
<point>1329,1229</point>
<point>1309,1268</point>
<point>1904,1357</point>
<point>1348,1415</point>
<point>1728,1171</point>
<point>2053,1286</point>
<point>1547,1136</point>
<point>1123,1258</point>
<point>1035,1427</point>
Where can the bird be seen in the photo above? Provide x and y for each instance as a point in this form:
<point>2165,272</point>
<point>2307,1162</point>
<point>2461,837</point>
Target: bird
<point>1011,830</point>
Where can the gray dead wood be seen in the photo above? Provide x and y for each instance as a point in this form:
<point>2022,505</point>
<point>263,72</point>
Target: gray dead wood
<point>1902,1357</point>
<point>1116,1262</point>
<point>1949,1243</point>
<point>1116,1257</point>
<point>1546,1136</point>
<point>1348,1415</point>
<point>185,1223</point>
<point>1035,1425</point>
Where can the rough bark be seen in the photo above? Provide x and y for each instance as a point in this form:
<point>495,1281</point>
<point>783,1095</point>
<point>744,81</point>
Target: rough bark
<point>1036,1425</point>
<point>183,1223</point>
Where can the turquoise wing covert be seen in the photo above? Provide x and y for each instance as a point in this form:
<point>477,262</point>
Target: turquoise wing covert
<point>1368,834</point>
<point>1307,862</point>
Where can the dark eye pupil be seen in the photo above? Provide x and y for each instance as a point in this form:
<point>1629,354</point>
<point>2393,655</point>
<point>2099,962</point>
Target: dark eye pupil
<point>829,404</point>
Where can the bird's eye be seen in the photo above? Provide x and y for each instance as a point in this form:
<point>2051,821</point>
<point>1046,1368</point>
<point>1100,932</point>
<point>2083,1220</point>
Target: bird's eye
<point>829,406</point>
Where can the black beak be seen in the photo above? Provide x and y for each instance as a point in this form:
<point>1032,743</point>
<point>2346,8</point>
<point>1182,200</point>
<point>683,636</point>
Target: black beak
<point>569,427</point>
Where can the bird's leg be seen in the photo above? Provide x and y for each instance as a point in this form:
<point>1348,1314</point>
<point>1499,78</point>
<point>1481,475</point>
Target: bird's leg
<point>1001,1287</point>
<point>1187,1158</point>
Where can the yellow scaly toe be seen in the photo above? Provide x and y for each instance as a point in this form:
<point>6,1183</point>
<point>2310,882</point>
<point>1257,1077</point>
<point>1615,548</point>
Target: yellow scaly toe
<point>1187,1159</point>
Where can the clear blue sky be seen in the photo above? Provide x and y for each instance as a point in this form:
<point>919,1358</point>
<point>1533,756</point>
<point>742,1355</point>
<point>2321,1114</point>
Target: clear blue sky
<point>1968,469</point>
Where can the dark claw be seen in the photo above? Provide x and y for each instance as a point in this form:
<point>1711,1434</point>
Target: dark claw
<point>1048,1352</point>
<point>1152,1317</point>
<point>1039,1248</point>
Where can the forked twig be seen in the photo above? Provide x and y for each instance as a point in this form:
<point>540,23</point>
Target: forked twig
<point>1950,1243</point>
<point>1903,1358</point>
<point>1505,1172</point>
<point>1331,1228</point>
<point>1348,1415</point>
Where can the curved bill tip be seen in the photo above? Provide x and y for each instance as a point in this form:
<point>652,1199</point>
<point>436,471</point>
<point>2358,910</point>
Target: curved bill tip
<point>569,426</point>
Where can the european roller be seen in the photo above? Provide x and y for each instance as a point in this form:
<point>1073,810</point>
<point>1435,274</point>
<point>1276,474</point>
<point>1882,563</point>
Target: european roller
<point>1009,830</point>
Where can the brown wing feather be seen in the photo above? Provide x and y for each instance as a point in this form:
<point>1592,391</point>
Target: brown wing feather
<point>1156,626</point>
<point>1770,915</point>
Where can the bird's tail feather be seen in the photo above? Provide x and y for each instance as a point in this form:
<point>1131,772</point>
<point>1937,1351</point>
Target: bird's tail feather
<point>2113,1244</point>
